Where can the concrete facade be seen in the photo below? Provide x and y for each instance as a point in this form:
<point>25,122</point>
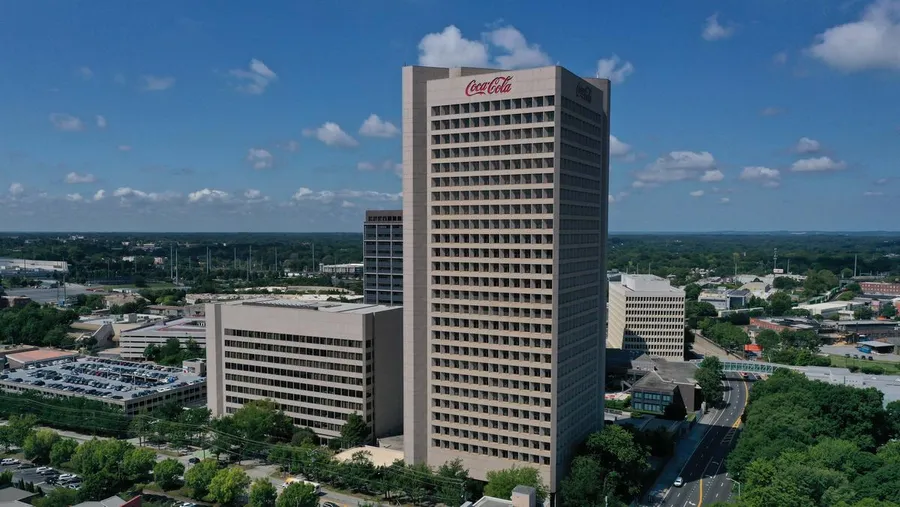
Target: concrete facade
<point>134,342</point>
<point>646,315</point>
<point>320,362</point>
<point>505,198</point>
<point>383,257</point>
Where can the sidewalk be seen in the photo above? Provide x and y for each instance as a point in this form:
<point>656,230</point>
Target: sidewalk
<point>683,452</point>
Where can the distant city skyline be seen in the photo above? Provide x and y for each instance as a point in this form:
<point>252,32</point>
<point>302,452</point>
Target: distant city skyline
<point>748,116</point>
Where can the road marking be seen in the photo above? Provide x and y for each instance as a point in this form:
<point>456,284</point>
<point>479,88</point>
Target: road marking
<point>700,503</point>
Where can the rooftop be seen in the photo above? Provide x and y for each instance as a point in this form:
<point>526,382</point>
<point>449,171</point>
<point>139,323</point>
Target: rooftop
<point>489,501</point>
<point>321,306</point>
<point>13,494</point>
<point>872,343</point>
<point>33,356</point>
<point>112,501</point>
<point>648,283</point>
<point>380,456</point>
<point>869,322</point>
<point>187,326</point>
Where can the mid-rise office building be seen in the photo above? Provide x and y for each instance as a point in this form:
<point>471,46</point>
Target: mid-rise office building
<point>646,315</point>
<point>383,257</point>
<point>320,362</point>
<point>505,187</point>
<point>134,342</point>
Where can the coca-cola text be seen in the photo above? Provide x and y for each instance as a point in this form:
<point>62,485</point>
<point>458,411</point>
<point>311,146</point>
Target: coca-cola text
<point>494,86</point>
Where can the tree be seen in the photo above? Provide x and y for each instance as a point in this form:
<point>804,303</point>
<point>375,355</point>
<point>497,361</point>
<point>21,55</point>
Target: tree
<point>888,310</point>
<point>20,427</point>
<point>695,312</point>
<point>59,497</point>
<point>138,463</point>
<point>199,477</point>
<point>38,444</point>
<point>784,283</point>
<point>583,487</point>
<point>262,493</point>
<point>298,494</point>
<point>167,472</point>
<point>779,304</point>
<point>355,431</point>
<point>62,451</point>
<point>305,437</point>
<point>692,292</point>
<point>768,339</point>
<point>863,313</point>
<point>228,485</point>
<point>500,483</point>
<point>709,378</point>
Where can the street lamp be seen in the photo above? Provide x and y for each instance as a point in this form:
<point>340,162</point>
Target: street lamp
<point>736,482</point>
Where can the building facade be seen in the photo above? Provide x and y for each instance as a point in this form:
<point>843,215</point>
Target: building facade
<point>646,315</point>
<point>383,257</point>
<point>320,362</point>
<point>134,342</point>
<point>505,196</point>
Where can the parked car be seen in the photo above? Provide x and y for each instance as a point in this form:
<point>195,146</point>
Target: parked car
<point>25,465</point>
<point>9,461</point>
<point>44,470</point>
<point>194,460</point>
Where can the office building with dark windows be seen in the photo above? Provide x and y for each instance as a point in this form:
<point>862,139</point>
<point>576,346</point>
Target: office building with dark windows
<point>383,257</point>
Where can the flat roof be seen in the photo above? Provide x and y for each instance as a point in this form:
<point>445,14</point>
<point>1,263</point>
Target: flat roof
<point>322,306</point>
<point>872,343</point>
<point>127,380</point>
<point>32,356</point>
<point>14,494</point>
<point>489,501</point>
<point>185,326</point>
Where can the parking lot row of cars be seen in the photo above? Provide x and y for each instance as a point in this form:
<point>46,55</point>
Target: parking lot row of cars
<point>49,475</point>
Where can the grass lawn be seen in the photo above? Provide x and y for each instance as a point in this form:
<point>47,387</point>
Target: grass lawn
<point>843,362</point>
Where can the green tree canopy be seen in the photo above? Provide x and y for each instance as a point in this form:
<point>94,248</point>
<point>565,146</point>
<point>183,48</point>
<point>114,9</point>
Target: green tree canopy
<point>228,485</point>
<point>355,431</point>
<point>500,483</point>
<point>262,493</point>
<point>298,494</point>
<point>199,477</point>
<point>166,474</point>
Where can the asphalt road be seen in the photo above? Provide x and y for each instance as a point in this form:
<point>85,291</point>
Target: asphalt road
<point>704,473</point>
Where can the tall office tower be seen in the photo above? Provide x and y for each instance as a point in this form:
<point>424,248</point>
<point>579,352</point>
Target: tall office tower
<point>646,315</point>
<point>505,188</point>
<point>383,257</point>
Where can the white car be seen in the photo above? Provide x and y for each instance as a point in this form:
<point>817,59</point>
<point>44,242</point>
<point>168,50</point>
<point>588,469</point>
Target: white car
<point>679,482</point>
<point>66,477</point>
<point>9,461</point>
<point>43,470</point>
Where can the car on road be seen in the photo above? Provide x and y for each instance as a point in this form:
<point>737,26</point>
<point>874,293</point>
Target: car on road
<point>194,460</point>
<point>187,504</point>
<point>679,482</point>
<point>23,466</point>
<point>9,461</point>
<point>330,504</point>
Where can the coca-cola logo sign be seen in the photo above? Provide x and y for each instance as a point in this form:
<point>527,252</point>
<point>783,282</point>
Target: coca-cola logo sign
<point>495,86</point>
<point>583,92</point>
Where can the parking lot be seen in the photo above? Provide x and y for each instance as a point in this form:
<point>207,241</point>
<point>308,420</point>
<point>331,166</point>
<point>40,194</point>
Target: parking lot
<point>840,350</point>
<point>104,378</point>
<point>31,475</point>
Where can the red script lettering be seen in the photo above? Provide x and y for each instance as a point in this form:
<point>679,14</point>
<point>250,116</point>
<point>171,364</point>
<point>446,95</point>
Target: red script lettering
<point>496,85</point>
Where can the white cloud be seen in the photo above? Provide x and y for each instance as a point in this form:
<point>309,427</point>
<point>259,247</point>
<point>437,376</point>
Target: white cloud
<point>771,111</point>
<point>16,189</point>
<point>820,164</point>
<point>872,42</point>
<point>75,178</point>
<point>449,48</point>
<point>99,195</point>
<point>331,134</point>
<point>617,148</point>
<point>254,195</point>
<point>101,121</point>
<point>387,165</point>
<point>519,52</point>
<point>150,83</point>
<point>725,200</point>
<point>780,58</point>
<point>85,72</point>
<point>208,195</point>
<point>76,197</point>
<point>66,122</point>
<point>697,193</point>
<point>255,79</point>
<point>126,194</point>
<point>610,68</point>
<point>347,204</point>
<point>764,175</point>
<point>124,147</point>
<point>328,196</point>
<point>882,181</point>
<point>618,197</point>
<point>376,127</point>
<point>713,30</point>
<point>680,165</point>
<point>366,166</point>
<point>873,194</point>
<point>711,176</point>
<point>290,146</point>
<point>807,145</point>
<point>260,158</point>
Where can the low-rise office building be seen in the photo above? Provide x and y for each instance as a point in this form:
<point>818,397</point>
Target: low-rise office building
<point>134,342</point>
<point>352,269</point>
<point>880,288</point>
<point>646,314</point>
<point>321,362</point>
<point>725,299</point>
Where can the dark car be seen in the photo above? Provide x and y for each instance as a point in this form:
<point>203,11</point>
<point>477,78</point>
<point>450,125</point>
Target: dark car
<point>871,358</point>
<point>194,460</point>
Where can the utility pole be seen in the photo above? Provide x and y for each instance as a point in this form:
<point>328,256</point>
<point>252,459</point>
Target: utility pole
<point>207,261</point>
<point>276,259</point>
<point>176,266</point>
<point>314,257</point>
<point>249,262</point>
<point>855,257</point>
<point>235,258</point>
<point>775,261</point>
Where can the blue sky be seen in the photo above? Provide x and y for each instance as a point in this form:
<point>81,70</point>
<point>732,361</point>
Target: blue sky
<point>258,116</point>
